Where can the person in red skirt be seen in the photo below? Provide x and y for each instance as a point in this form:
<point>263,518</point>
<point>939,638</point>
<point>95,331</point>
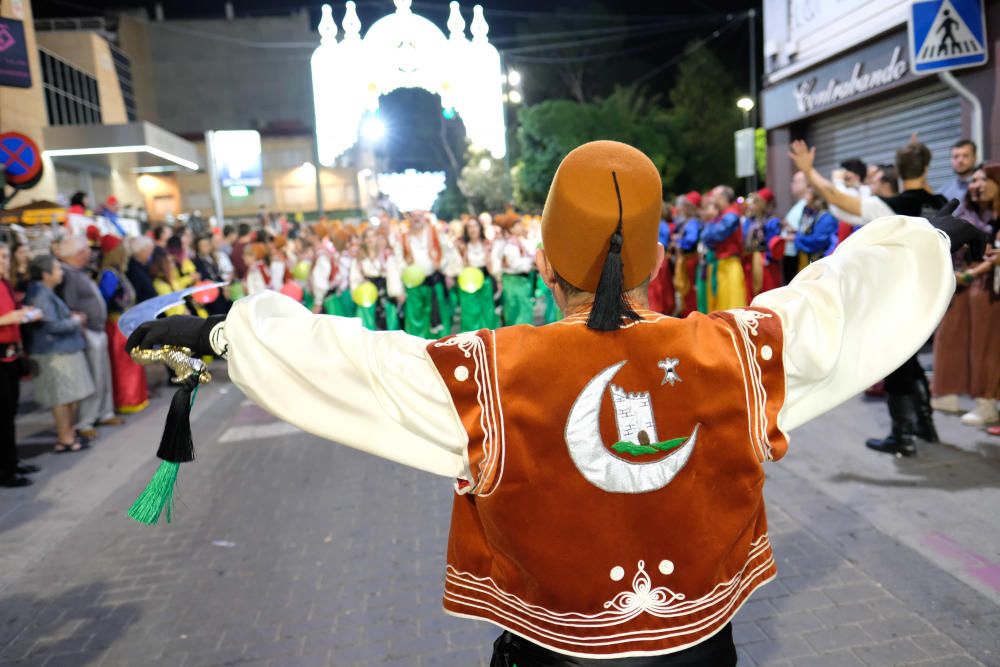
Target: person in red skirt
<point>128,379</point>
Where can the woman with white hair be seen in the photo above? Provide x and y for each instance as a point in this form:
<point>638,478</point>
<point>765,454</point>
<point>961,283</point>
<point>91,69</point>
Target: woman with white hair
<point>140,249</point>
<point>56,345</point>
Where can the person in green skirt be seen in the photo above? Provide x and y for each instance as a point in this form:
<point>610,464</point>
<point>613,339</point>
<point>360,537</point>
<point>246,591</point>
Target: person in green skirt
<point>476,309</point>
<point>376,264</point>
<point>428,311</point>
<point>516,261</point>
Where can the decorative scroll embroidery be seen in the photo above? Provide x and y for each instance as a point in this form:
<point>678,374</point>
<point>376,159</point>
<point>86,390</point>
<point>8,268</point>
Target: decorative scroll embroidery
<point>490,410</point>
<point>688,617</point>
<point>747,324</point>
<point>642,597</point>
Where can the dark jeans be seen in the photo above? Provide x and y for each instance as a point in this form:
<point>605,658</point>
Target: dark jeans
<point>10,392</point>
<point>789,267</point>
<point>717,651</point>
<point>903,380</point>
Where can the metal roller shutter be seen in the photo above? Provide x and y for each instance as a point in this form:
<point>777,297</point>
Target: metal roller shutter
<point>874,131</point>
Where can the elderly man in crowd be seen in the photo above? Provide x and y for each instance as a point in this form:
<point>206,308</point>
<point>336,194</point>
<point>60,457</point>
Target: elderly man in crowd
<point>82,295</point>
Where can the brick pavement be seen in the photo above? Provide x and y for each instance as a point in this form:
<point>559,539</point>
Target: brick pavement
<point>287,550</point>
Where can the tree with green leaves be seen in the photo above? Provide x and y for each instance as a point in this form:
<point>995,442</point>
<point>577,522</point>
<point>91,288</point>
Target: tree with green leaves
<point>703,118</point>
<point>485,182</point>
<point>550,130</point>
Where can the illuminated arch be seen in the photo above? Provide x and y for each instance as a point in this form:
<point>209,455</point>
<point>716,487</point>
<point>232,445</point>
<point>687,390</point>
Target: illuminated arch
<point>404,50</point>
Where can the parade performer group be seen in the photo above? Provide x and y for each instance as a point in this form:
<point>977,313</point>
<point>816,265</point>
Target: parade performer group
<point>608,467</point>
<point>417,274</point>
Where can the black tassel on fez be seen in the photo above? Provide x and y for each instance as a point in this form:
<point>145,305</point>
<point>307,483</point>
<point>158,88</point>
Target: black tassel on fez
<point>611,303</point>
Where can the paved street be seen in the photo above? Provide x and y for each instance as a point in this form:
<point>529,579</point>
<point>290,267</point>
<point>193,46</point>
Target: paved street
<point>290,551</point>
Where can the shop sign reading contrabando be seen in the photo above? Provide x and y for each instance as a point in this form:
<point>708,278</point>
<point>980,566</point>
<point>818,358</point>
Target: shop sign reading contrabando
<point>856,75</point>
<point>809,95</point>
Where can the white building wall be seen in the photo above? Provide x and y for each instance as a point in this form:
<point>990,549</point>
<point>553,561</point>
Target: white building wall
<point>801,33</point>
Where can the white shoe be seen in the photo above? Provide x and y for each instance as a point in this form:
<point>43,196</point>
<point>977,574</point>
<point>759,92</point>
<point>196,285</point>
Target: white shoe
<point>985,413</point>
<point>948,403</point>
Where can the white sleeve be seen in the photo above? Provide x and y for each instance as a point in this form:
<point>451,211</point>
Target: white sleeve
<point>375,391</point>
<point>873,208</point>
<point>844,216</point>
<point>852,318</point>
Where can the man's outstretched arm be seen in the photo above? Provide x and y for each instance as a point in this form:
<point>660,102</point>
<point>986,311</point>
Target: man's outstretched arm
<point>853,317</point>
<point>803,157</point>
<point>373,391</point>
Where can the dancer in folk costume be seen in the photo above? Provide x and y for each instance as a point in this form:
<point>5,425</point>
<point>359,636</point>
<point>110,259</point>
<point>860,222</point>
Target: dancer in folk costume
<point>428,309</point>
<point>763,246</point>
<point>375,263</point>
<point>338,300</point>
<point>685,248</point>
<point>662,294</point>
<point>128,379</point>
<point>325,265</point>
<point>258,268</point>
<point>476,309</point>
<point>515,262</point>
<point>279,264</point>
<point>635,442</point>
<point>724,238</point>
<point>817,235</point>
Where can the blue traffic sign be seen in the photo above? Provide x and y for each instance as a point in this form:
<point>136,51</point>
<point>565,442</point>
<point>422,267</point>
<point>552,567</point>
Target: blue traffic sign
<point>947,34</point>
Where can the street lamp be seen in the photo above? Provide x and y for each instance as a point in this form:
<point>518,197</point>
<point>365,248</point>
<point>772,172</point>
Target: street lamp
<point>514,77</point>
<point>515,97</point>
<point>746,105</point>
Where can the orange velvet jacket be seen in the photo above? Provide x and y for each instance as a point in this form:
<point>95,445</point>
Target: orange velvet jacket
<point>615,502</point>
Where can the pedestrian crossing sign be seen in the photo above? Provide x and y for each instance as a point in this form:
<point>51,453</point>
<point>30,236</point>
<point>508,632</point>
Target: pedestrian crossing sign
<point>947,34</point>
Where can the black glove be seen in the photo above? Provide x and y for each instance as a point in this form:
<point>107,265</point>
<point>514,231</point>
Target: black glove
<point>178,330</point>
<point>961,232</point>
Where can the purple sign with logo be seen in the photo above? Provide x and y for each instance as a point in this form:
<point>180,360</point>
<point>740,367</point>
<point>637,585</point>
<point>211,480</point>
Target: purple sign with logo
<point>14,67</point>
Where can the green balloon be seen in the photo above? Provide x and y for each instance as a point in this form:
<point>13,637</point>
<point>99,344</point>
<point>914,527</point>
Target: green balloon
<point>301,271</point>
<point>236,291</point>
<point>413,276</point>
<point>470,279</point>
<point>365,294</point>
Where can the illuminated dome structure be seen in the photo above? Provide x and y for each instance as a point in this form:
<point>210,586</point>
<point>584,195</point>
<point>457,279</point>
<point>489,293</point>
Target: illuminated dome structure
<point>405,50</point>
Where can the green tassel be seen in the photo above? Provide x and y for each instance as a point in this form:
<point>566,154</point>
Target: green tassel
<point>159,494</point>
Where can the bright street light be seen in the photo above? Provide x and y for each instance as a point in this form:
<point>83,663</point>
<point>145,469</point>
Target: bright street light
<point>515,97</point>
<point>745,103</point>
<point>373,129</point>
<point>514,77</point>
<point>486,164</point>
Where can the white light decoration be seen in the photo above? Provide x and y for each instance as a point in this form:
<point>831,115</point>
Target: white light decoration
<point>373,129</point>
<point>515,97</point>
<point>405,50</point>
<point>412,190</point>
<point>514,77</point>
<point>486,164</point>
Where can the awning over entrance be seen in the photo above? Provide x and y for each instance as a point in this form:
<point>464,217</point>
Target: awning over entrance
<point>152,146</point>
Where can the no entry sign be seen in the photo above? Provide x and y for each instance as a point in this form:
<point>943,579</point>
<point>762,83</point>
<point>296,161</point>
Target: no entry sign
<point>21,159</point>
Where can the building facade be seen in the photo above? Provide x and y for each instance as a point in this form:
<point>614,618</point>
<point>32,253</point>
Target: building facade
<point>120,107</point>
<point>840,75</point>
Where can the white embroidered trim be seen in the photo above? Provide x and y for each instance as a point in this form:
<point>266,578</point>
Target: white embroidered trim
<point>490,408</point>
<point>652,315</point>
<point>747,323</point>
<point>660,602</point>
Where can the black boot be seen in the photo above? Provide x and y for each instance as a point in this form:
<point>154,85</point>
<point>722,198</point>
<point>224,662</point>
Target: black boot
<point>901,441</point>
<point>925,413</point>
<point>14,480</point>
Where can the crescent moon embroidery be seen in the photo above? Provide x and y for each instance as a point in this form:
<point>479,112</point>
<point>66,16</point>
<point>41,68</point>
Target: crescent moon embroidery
<point>597,464</point>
